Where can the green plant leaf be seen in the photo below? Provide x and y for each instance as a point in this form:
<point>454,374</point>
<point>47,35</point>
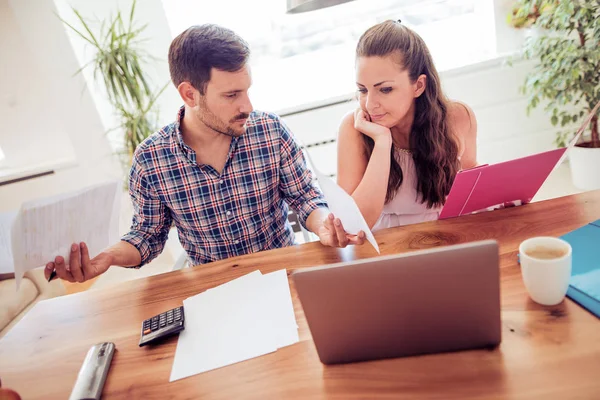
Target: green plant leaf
<point>87,28</point>
<point>119,64</point>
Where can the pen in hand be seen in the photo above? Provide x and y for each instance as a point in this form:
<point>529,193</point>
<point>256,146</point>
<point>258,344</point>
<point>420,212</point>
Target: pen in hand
<point>52,275</point>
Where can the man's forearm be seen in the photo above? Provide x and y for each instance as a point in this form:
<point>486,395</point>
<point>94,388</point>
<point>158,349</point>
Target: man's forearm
<point>124,254</point>
<point>316,218</point>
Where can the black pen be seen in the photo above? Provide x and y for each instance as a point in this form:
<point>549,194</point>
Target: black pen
<point>52,275</point>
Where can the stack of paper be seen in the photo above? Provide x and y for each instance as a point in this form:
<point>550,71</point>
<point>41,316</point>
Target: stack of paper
<point>248,317</point>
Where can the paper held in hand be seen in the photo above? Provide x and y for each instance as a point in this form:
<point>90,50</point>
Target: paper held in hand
<point>46,228</point>
<point>343,206</point>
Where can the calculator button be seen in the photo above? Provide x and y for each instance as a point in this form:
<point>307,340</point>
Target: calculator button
<point>155,318</point>
<point>147,331</point>
<point>163,324</point>
<point>177,317</point>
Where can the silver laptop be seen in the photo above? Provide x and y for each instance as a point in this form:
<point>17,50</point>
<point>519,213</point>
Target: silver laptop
<point>429,301</point>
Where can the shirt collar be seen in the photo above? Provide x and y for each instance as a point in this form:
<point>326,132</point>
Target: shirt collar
<point>187,150</point>
<point>177,130</point>
<point>177,143</point>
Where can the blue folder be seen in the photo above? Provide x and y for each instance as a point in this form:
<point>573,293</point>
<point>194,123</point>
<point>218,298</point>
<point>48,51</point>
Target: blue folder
<point>584,287</point>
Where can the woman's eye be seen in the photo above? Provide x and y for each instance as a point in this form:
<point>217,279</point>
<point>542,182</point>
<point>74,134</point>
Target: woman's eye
<point>386,90</point>
<point>362,90</point>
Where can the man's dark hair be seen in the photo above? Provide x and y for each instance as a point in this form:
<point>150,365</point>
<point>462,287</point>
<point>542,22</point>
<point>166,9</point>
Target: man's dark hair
<point>200,48</point>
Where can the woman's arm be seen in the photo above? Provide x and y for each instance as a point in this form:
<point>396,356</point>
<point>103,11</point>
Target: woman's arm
<point>365,179</point>
<point>464,125</point>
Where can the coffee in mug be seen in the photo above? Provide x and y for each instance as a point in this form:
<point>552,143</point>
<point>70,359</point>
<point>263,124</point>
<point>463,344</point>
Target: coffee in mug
<point>546,252</point>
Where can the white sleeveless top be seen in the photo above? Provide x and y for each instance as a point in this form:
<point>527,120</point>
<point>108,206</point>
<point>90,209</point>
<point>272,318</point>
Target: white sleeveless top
<point>406,207</point>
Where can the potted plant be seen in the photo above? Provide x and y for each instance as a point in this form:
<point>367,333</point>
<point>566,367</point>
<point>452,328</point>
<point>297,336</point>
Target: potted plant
<point>566,78</point>
<point>118,63</point>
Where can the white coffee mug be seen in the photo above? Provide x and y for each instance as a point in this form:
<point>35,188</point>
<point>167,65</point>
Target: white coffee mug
<point>546,279</point>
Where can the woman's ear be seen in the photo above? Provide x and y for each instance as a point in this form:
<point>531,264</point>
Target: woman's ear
<point>420,85</point>
<point>187,93</point>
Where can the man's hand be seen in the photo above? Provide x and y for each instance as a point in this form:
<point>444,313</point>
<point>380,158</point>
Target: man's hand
<point>332,233</point>
<point>80,267</point>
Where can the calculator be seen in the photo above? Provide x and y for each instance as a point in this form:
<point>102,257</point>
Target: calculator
<point>162,325</point>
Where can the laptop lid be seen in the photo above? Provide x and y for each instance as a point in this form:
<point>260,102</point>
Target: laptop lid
<point>429,301</point>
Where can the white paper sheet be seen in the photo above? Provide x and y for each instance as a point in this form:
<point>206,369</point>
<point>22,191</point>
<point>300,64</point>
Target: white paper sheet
<point>6,258</point>
<point>283,319</point>
<point>242,319</point>
<point>278,298</point>
<point>223,327</point>
<point>343,206</point>
<point>46,228</point>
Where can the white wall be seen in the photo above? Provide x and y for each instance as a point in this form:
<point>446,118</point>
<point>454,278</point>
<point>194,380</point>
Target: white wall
<point>49,112</point>
<point>31,129</point>
<point>490,88</point>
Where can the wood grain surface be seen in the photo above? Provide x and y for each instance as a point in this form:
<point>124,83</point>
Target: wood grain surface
<point>546,352</point>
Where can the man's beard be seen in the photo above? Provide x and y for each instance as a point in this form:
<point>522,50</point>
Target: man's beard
<point>211,121</point>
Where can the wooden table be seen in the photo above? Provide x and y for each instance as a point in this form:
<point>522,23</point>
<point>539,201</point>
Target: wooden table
<point>546,352</point>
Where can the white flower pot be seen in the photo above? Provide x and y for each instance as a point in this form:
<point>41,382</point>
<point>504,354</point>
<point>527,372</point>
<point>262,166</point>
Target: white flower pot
<point>585,167</point>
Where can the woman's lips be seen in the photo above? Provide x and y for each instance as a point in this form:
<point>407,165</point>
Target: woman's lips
<point>377,116</point>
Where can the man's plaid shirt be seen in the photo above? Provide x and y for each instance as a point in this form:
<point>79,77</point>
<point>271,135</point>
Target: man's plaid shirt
<point>242,210</point>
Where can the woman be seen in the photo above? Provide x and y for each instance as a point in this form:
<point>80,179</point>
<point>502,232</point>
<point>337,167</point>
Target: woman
<point>399,152</point>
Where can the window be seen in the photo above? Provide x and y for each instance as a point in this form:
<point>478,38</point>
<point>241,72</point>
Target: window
<point>305,58</point>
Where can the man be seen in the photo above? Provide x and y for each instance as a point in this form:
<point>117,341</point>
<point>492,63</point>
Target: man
<point>221,172</point>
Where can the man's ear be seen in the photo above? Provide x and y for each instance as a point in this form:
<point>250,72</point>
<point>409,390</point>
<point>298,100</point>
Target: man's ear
<point>188,93</point>
<point>420,85</point>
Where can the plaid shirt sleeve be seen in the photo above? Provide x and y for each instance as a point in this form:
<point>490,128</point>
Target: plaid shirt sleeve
<point>296,179</point>
<point>151,218</point>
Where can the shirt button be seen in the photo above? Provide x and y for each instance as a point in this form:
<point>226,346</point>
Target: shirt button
<point>228,213</point>
<point>221,182</point>
<point>237,242</point>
